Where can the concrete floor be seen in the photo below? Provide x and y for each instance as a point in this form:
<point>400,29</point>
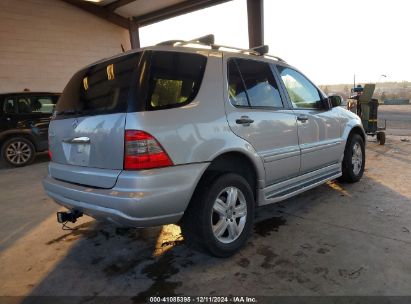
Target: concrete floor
<point>337,239</point>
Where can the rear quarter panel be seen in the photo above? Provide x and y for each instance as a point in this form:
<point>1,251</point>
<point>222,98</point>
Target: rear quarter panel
<point>197,132</point>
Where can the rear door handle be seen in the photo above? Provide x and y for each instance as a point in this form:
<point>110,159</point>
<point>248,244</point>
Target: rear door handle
<point>244,120</point>
<point>302,117</point>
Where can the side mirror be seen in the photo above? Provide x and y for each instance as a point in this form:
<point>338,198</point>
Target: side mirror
<point>335,100</point>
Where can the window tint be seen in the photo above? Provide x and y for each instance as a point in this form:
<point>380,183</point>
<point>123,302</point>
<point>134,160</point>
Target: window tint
<point>174,79</point>
<point>43,104</point>
<point>101,88</point>
<point>302,92</point>
<point>10,106</point>
<point>23,105</point>
<point>236,90</point>
<point>262,89</point>
<point>31,104</point>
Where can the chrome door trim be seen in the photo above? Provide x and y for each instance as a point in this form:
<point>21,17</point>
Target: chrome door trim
<point>316,146</point>
<point>279,154</point>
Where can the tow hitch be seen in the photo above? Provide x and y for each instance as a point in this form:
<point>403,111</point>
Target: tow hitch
<point>71,216</point>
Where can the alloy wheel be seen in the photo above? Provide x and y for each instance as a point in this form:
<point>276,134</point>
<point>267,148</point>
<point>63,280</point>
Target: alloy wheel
<point>18,153</point>
<point>229,215</point>
<point>356,159</point>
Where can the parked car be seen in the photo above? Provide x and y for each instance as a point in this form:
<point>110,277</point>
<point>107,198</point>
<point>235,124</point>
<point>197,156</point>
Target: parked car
<point>196,136</point>
<point>24,122</point>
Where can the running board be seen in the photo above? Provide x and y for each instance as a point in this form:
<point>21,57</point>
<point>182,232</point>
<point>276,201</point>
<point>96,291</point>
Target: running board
<point>295,189</point>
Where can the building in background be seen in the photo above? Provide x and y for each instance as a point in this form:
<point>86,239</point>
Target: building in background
<point>43,42</point>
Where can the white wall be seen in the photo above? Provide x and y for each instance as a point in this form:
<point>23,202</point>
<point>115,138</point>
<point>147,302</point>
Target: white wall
<point>43,42</point>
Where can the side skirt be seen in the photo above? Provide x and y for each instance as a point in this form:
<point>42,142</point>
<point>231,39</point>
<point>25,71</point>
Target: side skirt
<point>283,190</point>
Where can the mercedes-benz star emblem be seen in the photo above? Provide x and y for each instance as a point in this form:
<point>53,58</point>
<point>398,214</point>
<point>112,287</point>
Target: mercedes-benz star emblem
<point>75,124</point>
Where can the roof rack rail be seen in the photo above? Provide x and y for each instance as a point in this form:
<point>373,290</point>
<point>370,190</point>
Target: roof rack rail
<point>203,40</point>
<point>259,50</point>
<point>208,40</point>
<point>275,57</point>
<point>220,46</point>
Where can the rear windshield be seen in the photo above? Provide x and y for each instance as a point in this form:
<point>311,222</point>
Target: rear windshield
<point>153,81</point>
<point>99,89</point>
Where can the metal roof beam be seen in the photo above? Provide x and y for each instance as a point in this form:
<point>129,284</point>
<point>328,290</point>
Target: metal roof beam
<point>101,12</point>
<point>175,10</point>
<point>116,4</point>
<point>255,13</point>
<point>134,35</point>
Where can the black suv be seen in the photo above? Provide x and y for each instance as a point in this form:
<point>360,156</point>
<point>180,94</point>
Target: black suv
<point>24,123</point>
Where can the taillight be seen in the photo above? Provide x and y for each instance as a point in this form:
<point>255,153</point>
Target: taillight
<point>49,151</point>
<point>143,151</point>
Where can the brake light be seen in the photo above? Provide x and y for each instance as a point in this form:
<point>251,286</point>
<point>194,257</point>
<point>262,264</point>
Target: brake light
<point>143,151</point>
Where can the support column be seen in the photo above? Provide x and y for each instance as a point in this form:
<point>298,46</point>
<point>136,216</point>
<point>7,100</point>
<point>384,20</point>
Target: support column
<point>134,35</point>
<point>255,13</point>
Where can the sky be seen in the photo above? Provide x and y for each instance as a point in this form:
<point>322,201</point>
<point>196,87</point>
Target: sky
<point>328,40</point>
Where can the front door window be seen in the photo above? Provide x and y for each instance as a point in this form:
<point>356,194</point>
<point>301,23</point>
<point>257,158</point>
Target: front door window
<point>303,94</point>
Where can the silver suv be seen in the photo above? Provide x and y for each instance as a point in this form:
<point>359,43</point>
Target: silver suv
<point>198,135</point>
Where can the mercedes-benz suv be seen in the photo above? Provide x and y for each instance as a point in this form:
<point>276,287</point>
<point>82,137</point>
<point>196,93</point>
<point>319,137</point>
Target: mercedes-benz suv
<point>198,135</point>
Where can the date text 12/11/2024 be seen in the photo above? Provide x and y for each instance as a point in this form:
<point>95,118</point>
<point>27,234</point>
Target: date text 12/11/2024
<point>200,299</point>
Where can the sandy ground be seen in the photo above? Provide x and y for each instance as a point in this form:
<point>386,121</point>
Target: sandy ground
<point>397,119</point>
<point>337,239</point>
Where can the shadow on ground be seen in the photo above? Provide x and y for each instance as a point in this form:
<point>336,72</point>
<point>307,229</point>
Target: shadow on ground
<point>337,239</point>
<point>298,247</point>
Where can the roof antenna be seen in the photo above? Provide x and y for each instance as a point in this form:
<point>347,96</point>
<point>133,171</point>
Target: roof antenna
<point>122,48</point>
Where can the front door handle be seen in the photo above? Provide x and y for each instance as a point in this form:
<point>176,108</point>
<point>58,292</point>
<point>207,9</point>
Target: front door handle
<point>302,117</point>
<point>244,120</point>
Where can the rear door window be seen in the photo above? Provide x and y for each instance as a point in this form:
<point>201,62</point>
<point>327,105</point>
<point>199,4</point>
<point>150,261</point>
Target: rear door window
<point>23,105</point>
<point>174,79</point>
<point>236,89</point>
<point>30,104</point>
<point>258,80</point>
<point>43,104</point>
<point>100,89</point>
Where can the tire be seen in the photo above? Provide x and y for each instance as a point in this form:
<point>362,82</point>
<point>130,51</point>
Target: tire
<point>18,151</point>
<point>212,223</point>
<point>381,138</point>
<point>354,159</point>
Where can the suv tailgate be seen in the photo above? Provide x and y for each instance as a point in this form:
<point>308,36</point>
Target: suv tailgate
<point>86,137</point>
<point>86,143</point>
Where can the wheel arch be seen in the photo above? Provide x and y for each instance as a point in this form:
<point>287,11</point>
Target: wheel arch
<point>4,136</point>
<point>232,162</point>
<point>357,130</point>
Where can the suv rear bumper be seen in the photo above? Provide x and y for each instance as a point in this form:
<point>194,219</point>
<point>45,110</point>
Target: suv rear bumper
<point>139,198</point>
